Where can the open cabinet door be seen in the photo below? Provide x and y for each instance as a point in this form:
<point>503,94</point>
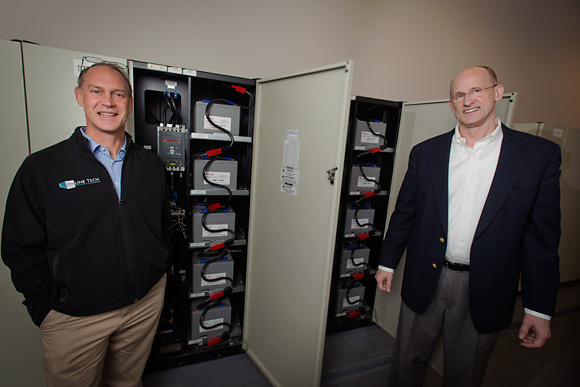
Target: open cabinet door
<point>299,142</point>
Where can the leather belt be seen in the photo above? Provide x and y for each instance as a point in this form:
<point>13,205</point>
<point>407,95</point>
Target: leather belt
<point>456,266</point>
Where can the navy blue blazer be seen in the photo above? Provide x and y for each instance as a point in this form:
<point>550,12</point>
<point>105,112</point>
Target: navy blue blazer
<point>518,232</point>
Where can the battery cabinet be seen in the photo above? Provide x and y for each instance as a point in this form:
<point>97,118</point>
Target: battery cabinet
<point>364,200</point>
<point>170,113</point>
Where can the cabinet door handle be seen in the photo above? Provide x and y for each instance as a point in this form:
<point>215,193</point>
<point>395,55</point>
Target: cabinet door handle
<point>331,173</point>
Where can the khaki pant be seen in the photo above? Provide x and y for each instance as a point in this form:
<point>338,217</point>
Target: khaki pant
<point>107,349</point>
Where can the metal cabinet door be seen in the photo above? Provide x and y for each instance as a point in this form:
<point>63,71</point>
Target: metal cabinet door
<point>21,361</point>
<point>51,77</point>
<point>301,123</point>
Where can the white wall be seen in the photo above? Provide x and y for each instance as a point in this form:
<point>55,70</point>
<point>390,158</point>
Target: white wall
<point>403,50</point>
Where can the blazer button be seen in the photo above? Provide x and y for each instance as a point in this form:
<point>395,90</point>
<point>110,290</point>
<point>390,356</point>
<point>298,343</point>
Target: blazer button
<point>442,240</point>
<point>434,266</point>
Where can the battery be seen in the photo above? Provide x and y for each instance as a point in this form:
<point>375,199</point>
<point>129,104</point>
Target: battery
<point>365,138</point>
<point>171,143</point>
<point>215,270</point>
<point>355,297</point>
<point>216,315</point>
<point>226,116</point>
<point>223,172</point>
<point>360,256</point>
<point>358,183</point>
<point>364,216</point>
<point>226,219</point>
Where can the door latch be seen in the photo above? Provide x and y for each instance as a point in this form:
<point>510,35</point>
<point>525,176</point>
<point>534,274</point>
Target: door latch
<point>331,173</point>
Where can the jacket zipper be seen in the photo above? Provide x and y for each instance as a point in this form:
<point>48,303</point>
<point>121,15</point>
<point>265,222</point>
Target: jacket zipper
<point>121,203</point>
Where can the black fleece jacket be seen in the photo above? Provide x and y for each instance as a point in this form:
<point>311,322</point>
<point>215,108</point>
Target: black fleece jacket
<point>71,244</point>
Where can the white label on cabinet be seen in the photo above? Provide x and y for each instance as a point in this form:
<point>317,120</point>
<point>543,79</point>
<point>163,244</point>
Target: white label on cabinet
<point>289,189</point>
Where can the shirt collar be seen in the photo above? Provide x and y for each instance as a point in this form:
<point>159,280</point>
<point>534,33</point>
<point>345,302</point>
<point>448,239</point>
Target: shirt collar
<point>496,135</point>
<point>94,146</point>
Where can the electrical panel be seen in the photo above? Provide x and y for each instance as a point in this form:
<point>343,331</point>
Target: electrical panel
<point>171,144</point>
<point>201,125</point>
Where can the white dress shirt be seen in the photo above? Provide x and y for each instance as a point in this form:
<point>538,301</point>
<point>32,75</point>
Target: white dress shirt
<point>471,172</point>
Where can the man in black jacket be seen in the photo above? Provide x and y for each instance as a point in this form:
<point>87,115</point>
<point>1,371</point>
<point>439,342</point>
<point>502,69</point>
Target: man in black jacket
<point>86,236</point>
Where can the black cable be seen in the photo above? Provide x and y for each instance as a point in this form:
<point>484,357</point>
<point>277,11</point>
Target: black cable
<point>203,218</point>
<point>365,224</point>
<point>175,109</point>
<point>214,184</point>
<point>352,251</point>
<point>384,146</point>
<point>252,101</point>
<point>350,286</point>
<point>224,130</point>
<point>209,307</point>
<point>221,254</point>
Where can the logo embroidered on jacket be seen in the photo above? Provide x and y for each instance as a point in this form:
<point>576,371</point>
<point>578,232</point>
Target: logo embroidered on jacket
<point>70,184</point>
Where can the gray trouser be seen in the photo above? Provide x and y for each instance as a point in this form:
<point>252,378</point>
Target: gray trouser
<point>466,351</point>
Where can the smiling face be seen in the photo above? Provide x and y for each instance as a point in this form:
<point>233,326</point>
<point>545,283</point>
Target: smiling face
<point>107,101</point>
<point>473,96</point>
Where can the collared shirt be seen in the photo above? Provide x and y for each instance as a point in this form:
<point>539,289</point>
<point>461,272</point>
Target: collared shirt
<point>471,172</point>
<point>113,166</point>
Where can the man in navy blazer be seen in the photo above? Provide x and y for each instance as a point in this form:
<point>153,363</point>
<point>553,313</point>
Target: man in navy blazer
<point>478,208</point>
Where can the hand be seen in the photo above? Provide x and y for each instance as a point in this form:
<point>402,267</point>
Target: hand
<point>384,279</point>
<point>535,331</point>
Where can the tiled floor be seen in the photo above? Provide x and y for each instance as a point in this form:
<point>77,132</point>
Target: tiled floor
<point>362,357</point>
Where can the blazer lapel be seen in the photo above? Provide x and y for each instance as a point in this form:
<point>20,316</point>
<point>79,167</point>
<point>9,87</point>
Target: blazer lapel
<point>510,164</point>
<point>439,168</point>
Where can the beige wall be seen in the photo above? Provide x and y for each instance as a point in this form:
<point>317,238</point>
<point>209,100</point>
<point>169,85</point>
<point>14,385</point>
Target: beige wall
<point>403,50</point>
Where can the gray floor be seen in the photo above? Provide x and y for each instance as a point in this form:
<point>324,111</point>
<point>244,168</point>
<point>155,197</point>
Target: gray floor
<point>362,357</point>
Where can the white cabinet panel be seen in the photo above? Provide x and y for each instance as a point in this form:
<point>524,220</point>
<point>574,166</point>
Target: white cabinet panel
<point>301,121</point>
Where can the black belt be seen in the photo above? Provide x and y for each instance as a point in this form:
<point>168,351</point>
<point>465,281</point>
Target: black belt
<point>456,266</point>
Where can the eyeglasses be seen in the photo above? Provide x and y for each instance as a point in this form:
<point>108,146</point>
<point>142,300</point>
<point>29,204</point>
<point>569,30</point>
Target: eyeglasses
<point>88,61</point>
<point>474,93</point>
